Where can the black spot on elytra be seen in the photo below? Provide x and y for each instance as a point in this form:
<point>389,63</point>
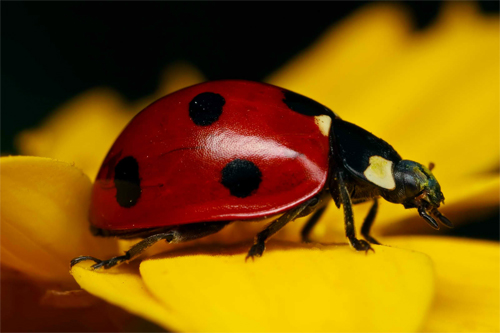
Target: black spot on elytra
<point>241,177</point>
<point>206,108</point>
<point>304,105</point>
<point>127,182</point>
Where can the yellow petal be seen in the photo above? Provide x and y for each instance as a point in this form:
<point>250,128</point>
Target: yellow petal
<point>339,66</point>
<point>44,217</point>
<point>308,288</point>
<point>83,129</point>
<point>467,283</point>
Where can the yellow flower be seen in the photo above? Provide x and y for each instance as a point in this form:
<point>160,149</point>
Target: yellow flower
<point>434,95</point>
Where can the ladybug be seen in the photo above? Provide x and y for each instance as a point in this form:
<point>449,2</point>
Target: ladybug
<point>223,151</point>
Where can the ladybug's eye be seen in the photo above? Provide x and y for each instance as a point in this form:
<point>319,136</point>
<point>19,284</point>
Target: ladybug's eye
<point>411,185</point>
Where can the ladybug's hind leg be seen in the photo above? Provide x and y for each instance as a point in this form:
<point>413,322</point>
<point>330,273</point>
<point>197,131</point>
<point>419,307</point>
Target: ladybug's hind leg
<point>260,240</point>
<point>83,258</point>
<point>133,252</point>
<point>179,234</point>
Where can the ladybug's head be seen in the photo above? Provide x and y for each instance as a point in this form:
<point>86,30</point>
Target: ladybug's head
<point>416,187</point>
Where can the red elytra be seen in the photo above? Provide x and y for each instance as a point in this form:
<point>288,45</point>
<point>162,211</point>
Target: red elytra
<point>173,160</point>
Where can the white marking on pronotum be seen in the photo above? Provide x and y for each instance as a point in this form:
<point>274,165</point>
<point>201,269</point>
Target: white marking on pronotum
<point>324,122</point>
<point>379,172</point>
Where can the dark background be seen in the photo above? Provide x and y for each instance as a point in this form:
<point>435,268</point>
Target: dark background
<point>52,51</point>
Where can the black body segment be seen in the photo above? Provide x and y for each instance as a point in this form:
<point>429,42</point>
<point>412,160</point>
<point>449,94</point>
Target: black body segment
<point>356,145</point>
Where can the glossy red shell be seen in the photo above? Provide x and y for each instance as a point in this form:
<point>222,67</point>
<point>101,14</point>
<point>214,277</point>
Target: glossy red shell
<point>180,163</point>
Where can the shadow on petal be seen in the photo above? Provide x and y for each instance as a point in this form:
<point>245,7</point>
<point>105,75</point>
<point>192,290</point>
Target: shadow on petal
<point>27,308</point>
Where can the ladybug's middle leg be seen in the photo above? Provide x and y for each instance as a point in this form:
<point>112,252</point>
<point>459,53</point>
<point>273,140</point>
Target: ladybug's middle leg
<point>308,227</point>
<point>350,231</point>
<point>260,240</point>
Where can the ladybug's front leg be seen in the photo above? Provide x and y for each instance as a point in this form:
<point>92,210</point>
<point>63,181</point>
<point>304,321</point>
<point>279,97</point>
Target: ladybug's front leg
<point>350,231</point>
<point>260,240</point>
